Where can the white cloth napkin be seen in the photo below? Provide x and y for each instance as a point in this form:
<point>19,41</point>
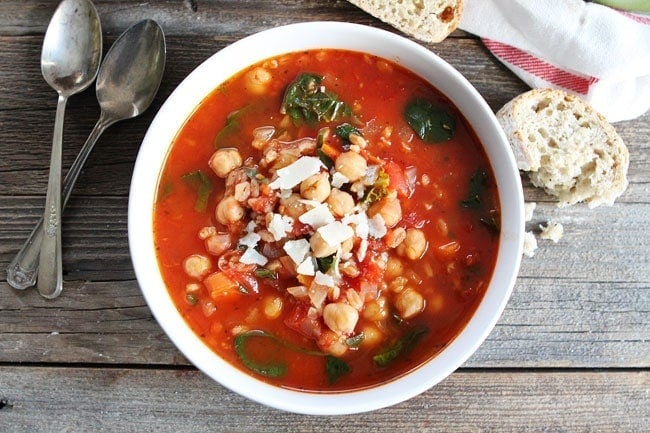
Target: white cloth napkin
<point>598,53</point>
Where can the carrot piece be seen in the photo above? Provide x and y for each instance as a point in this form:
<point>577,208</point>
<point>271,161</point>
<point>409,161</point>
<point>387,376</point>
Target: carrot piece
<point>305,280</point>
<point>330,150</point>
<point>219,284</point>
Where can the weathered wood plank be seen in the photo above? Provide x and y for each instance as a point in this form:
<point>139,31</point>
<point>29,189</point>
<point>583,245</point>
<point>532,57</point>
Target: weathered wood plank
<point>575,304</point>
<point>190,17</point>
<point>116,399</point>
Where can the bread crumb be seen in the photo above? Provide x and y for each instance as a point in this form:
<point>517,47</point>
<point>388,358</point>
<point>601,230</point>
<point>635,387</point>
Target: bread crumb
<point>530,244</point>
<point>529,208</point>
<point>552,231</point>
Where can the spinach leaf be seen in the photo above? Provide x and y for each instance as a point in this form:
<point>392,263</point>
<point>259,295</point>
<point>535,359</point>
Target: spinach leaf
<point>345,129</point>
<point>232,126</point>
<point>491,223</point>
<point>266,273</point>
<point>378,190</point>
<point>431,123</point>
<point>355,340</point>
<point>306,101</point>
<point>325,159</point>
<point>335,368</point>
<point>269,370</point>
<point>166,188</point>
<point>325,263</point>
<point>477,184</point>
<point>401,346</point>
<point>203,186</point>
<point>323,135</point>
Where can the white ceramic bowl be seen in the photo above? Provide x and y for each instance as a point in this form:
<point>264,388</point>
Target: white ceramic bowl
<point>295,37</point>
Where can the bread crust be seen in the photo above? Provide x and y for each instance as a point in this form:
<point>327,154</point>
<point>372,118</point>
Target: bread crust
<point>566,147</point>
<point>427,20</point>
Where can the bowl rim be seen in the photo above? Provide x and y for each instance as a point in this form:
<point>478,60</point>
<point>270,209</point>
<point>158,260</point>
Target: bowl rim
<point>291,38</point>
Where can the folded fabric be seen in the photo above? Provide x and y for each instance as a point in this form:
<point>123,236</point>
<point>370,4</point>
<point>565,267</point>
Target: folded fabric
<point>598,53</point>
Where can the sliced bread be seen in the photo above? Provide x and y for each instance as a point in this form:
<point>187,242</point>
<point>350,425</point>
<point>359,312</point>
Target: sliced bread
<point>566,147</point>
<point>427,20</point>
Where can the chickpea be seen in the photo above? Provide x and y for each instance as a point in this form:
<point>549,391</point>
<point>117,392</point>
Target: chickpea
<point>398,284</point>
<point>292,206</point>
<point>394,268</point>
<point>225,160</point>
<point>358,140</point>
<point>414,245</point>
<point>320,247</point>
<point>258,80</point>
<point>272,307</point>
<point>372,336</point>
<point>347,245</point>
<point>340,202</point>
<point>395,237</point>
<point>218,243</point>
<point>229,210</point>
<point>409,303</point>
<point>376,310</point>
<point>340,317</point>
<point>207,231</point>
<point>331,343</point>
<point>354,299</point>
<point>351,165</point>
<point>196,266</point>
<point>316,187</point>
<point>389,208</point>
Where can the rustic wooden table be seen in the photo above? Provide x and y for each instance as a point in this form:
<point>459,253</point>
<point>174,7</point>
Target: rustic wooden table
<point>570,353</point>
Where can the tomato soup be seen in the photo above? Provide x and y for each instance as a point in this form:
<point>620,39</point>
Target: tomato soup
<point>326,220</point>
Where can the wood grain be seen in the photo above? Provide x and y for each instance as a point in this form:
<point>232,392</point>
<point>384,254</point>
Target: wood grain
<point>156,400</point>
<point>569,354</point>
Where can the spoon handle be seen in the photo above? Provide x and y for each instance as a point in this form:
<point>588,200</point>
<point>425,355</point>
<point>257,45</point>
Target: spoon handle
<point>50,269</point>
<point>22,270</point>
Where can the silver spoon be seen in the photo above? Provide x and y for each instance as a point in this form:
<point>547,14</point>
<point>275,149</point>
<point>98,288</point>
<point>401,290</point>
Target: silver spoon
<point>127,82</point>
<point>70,58</point>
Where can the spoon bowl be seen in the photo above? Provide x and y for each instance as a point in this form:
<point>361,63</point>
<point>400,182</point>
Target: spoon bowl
<point>127,82</point>
<point>70,58</point>
<point>72,47</point>
<point>132,71</point>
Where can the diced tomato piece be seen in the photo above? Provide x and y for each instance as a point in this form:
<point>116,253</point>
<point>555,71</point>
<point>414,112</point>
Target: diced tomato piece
<point>300,229</point>
<point>298,319</point>
<point>263,204</point>
<point>397,178</point>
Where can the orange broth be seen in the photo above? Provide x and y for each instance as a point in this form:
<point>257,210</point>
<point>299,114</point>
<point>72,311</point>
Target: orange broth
<point>461,241</point>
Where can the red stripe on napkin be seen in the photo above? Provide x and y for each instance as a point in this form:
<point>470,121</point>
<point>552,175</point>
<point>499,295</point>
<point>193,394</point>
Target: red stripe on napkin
<point>540,68</point>
<point>638,18</point>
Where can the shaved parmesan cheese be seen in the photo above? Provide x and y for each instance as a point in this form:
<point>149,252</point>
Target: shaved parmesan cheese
<point>336,233</point>
<point>251,256</point>
<point>377,227</point>
<point>250,240</point>
<point>318,216</point>
<point>297,250</point>
<point>307,267</point>
<point>324,279</point>
<point>338,180</point>
<point>296,172</point>
<point>285,193</point>
<point>360,223</point>
<point>280,225</point>
<point>362,250</point>
<point>251,226</point>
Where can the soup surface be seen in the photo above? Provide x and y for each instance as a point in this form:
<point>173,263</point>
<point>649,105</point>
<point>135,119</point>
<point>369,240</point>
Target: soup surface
<point>326,221</point>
